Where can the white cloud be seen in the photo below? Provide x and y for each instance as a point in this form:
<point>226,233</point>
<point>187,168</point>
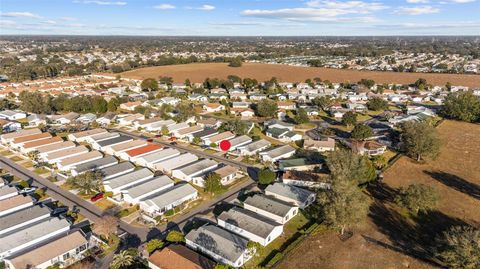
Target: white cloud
<point>7,22</point>
<point>20,15</point>
<point>102,3</point>
<point>323,11</point>
<point>164,6</point>
<point>206,7</point>
<point>417,1</point>
<point>418,10</point>
<point>462,1</point>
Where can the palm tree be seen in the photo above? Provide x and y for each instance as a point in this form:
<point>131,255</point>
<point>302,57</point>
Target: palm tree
<point>122,260</point>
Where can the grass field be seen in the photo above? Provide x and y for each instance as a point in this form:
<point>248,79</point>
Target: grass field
<point>391,237</point>
<point>198,72</point>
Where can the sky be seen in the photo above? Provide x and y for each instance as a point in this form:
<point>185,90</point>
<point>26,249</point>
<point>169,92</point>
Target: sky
<point>240,17</point>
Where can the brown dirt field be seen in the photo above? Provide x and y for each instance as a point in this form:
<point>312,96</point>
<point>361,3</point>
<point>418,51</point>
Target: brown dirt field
<point>326,251</point>
<point>262,72</point>
<point>455,175</point>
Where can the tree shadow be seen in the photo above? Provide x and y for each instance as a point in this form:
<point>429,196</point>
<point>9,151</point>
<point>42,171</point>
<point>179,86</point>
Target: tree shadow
<point>382,191</point>
<point>253,172</point>
<point>153,233</point>
<point>413,236</point>
<point>456,182</point>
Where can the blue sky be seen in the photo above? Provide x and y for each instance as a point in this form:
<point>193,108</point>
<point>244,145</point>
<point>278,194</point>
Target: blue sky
<point>240,17</point>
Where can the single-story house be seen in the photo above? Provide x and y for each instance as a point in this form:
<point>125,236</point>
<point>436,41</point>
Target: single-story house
<point>83,136</point>
<point>35,120</point>
<point>44,150</point>
<point>94,165</point>
<point>64,119</point>
<point>9,126</point>
<point>248,224</point>
<point>135,193</point>
<point>270,207</point>
<point>129,119</point>
<point>216,139</point>
<point>277,153</point>
<point>87,118</point>
<point>191,170</point>
<point>20,141</point>
<point>150,159</point>
<point>222,245</point>
<point>102,145</point>
<point>58,156</point>
<point>23,217</point>
<point>132,154</point>
<point>322,145</point>
<point>12,115</point>
<point>370,148</point>
<point>283,135</point>
<point>168,165</point>
<point>253,148</point>
<point>213,107</point>
<point>291,194</point>
<point>16,241</point>
<point>117,149</point>
<point>63,250</point>
<point>116,184</point>
<point>159,203</point>
<point>7,138</point>
<point>117,170</point>
<point>34,145</point>
<point>182,133</point>
<point>209,123</point>
<point>239,141</point>
<point>100,137</point>
<point>14,203</point>
<point>71,162</point>
<point>207,132</point>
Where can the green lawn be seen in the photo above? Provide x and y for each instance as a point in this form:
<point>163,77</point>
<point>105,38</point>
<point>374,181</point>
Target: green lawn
<point>16,158</point>
<point>40,170</point>
<point>264,254</point>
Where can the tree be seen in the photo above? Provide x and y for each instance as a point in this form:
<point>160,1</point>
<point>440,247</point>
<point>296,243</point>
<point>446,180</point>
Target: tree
<point>361,132</point>
<point>420,140</point>
<point>266,176</point>
<point>196,140</point>
<point>112,105</point>
<point>459,247</point>
<point>323,102</point>
<point>153,245</point>
<point>421,84</point>
<point>106,226</point>
<point>344,205</point>
<point>88,183</point>
<point>346,164</point>
<point>123,259</point>
<point>149,84</point>
<point>34,102</point>
<point>99,105</point>
<point>185,110</point>
<point>235,62</point>
<point>462,106</point>
<point>267,108</point>
<point>301,117</point>
<point>377,104</point>
<point>164,130</point>
<point>236,126</point>
<point>175,237</point>
<point>213,183</point>
<point>369,83</point>
<point>417,197</point>
<point>349,118</point>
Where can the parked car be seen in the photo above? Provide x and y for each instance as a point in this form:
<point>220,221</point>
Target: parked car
<point>149,140</point>
<point>27,190</point>
<point>97,197</point>
<point>158,135</point>
<point>173,143</point>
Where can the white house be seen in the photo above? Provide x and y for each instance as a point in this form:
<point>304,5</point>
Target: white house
<point>189,171</point>
<point>291,194</point>
<point>277,153</point>
<point>250,225</point>
<point>159,203</point>
<point>12,115</point>
<point>271,208</point>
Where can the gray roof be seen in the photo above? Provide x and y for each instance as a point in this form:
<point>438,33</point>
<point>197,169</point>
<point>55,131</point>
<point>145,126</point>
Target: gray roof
<point>256,145</point>
<point>239,140</point>
<point>55,147</point>
<point>160,155</point>
<point>269,204</point>
<point>31,232</point>
<point>292,192</point>
<point>116,169</point>
<point>147,186</point>
<point>278,151</point>
<point>177,161</point>
<point>249,221</point>
<point>23,215</point>
<point>219,241</point>
<point>93,165</point>
<point>194,167</point>
<point>205,132</point>
<point>170,195</point>
<point>103,136</point>
<point>5,190</point>
<point>115,140</point>
<point>129,178</point>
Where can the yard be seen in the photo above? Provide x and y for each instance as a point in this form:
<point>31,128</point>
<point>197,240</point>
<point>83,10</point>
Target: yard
<point>6,153</point>
<point>16,159</point>
<point>40,170</point>
<point>266,253</point>
<point>391,237</point>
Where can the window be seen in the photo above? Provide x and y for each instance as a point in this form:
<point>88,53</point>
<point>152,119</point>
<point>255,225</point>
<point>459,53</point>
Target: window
<point>66,256</point>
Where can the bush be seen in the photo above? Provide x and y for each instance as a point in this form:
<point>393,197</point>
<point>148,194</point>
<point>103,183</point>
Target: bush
<point>108,194</point>
<point>175,237</point>
<point>153,245</point>
<point>274,260</point>
<point>266,176</point>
